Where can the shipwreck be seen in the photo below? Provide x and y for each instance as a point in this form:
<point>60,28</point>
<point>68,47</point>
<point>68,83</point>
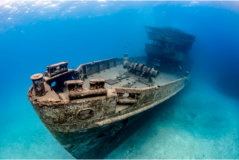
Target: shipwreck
<point>93,108</point>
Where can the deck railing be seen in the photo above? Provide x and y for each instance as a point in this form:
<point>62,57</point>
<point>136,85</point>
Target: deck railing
<point>87,69</point>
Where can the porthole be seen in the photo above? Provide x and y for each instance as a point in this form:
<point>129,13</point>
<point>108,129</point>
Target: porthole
<point>85,114</point>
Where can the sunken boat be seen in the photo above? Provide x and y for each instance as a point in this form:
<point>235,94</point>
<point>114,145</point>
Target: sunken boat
<point>92,109</point>
<point>170,46</point>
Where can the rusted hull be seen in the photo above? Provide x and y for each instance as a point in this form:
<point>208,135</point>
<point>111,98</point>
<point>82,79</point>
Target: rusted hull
<point>103,136</point>
<point>97,143</point>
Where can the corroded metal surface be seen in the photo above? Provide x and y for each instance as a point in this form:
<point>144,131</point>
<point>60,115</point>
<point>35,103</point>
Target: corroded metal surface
<point>98,142</point>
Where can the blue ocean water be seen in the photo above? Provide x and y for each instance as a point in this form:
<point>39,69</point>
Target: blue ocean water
<point>200,122</point>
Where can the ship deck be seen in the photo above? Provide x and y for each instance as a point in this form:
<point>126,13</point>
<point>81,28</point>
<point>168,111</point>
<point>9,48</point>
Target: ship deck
<point>116,76</point>
<point>120,77</point>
